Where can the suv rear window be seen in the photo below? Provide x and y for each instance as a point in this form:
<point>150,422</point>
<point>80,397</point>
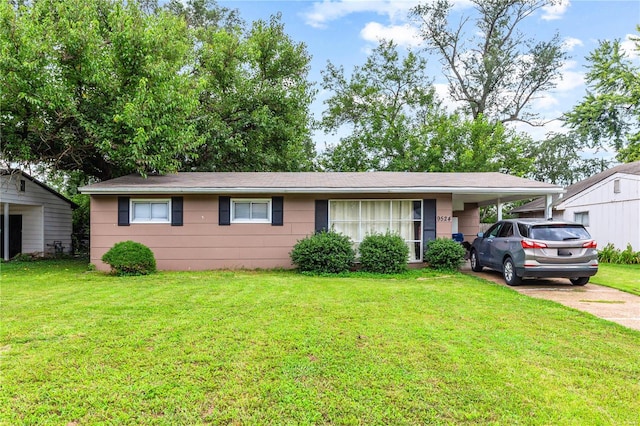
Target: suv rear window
<point>559,232</point>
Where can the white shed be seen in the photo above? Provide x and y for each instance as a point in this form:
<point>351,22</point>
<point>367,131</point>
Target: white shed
<point>35,219</point>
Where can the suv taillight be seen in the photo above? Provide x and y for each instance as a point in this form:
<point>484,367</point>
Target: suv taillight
<point>590,244</point>
<point>532,244</point>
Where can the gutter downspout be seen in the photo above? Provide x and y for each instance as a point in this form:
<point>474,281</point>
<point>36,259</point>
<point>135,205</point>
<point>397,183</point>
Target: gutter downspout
<point>548,209</point>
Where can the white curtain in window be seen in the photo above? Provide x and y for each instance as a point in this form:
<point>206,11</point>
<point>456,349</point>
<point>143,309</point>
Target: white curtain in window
<point>345,217</point>
<point>357,219</point>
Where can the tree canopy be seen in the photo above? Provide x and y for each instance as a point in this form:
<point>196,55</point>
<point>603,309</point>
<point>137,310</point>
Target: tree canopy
<point>110,87</point>
<point>609,114</point>
<point>558,160</point>
<point>396,123</point>
<point>384,104</point>
<point>96,86</point>
<point>254,100</point>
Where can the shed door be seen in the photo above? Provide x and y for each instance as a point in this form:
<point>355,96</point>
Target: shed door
<point>15,235</point>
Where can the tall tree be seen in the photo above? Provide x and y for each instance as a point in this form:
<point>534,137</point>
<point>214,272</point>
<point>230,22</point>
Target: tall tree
<point>205,14</point>
<point>95,86</point>
<point>397,124</point>
<point>497,71</point>
<point>384,104</point>
<point>559,160</point>
<point>609,114</point>
<point>254,100</point>
<point>459,144</point>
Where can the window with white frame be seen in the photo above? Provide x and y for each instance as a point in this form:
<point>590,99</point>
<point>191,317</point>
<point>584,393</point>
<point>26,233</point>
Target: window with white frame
<point>582,218</point>
<point>359,218</point>
<point>250,210</point>
<point>151,211</point>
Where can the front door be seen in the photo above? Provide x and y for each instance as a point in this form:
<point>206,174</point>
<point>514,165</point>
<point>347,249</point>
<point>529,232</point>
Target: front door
<point>15,235</point>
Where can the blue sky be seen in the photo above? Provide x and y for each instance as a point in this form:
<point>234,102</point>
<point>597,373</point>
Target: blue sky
<point>344,31</point>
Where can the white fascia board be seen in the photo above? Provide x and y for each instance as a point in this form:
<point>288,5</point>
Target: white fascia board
<point>323,190</point>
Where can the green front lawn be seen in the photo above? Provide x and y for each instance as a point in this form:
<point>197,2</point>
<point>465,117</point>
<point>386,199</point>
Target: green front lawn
<point>277,347</point>
<point>622,277</point>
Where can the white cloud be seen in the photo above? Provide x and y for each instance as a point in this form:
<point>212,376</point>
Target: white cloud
<point>570,43</point>
<point>571,79</point>
<point>329,10</point>
<point>629,46</point>
<point>403,35</point>
<point>442,91</point>
<point>323,12</point>
<point>555,11</point>
<point>545,102</point>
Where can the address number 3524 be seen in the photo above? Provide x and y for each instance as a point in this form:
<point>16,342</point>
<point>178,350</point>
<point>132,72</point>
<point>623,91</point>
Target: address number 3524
<point>443,218</point>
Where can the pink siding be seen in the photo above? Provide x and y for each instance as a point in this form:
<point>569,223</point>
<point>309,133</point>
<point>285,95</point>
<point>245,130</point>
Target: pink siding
<point>201,244</point>
<point>444,207</point>
<point>469,221</point>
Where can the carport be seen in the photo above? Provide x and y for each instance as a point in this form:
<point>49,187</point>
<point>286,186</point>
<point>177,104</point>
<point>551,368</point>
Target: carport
<point>466,202</point>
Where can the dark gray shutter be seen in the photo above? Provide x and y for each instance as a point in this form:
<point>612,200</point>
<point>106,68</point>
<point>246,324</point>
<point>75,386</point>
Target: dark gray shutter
<point>224,211</point>
<point>428,221</point>
<point>123,211</point>
<point>322,215</point>
<point>176,211</point>
<point>277,211</point>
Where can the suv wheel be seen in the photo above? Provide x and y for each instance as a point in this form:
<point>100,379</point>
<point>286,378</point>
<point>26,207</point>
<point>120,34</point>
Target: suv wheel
<point>579,281</point>
<point>475,262</point>
<point>509,272</point>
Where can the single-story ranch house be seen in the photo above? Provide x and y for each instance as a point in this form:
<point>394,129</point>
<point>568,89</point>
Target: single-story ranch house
<point>199,221</point>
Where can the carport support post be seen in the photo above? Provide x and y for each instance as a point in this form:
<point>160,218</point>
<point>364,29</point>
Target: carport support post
<point>5,234</point>
<point>548,207</point>
<point>499,207</point>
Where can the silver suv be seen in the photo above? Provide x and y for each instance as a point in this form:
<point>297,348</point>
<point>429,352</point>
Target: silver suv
<point>536,248</point>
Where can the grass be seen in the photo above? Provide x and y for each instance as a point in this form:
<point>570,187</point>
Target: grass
<point>224,347</point>
<point>622,277</point>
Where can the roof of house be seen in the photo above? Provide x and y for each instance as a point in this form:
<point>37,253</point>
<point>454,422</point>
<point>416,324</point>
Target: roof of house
<point>489,184</point>
<point>5,172</point>
<point>578,187</point>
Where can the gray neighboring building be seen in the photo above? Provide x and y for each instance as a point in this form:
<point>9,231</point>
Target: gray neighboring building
<point>608,204</point>
<point>35,219</point>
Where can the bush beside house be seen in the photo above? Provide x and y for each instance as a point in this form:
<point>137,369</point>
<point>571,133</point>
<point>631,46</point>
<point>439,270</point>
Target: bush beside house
<point>384,254</point>
<point>443,253</point>
<point>130,258</point>
<point>324,252</point>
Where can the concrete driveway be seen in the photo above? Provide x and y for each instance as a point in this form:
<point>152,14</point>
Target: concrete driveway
<point>604,302</point>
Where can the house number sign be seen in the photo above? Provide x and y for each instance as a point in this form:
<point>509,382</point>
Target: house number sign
<point>443,218</point>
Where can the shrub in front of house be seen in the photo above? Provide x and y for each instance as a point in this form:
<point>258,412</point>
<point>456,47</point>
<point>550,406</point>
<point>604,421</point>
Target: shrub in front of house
<point>323,252</point>
<point>384,254</point>
<point>444,253</point>
<point>130,258</point>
